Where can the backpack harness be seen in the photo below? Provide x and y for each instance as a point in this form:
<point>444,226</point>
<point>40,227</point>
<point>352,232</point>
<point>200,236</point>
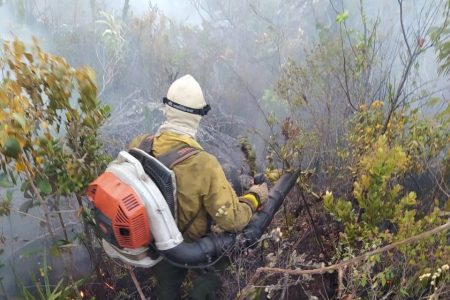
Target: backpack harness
<point>170,159</point>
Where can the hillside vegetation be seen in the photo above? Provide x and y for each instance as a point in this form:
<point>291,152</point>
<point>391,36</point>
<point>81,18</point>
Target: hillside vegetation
<point>358,100</point>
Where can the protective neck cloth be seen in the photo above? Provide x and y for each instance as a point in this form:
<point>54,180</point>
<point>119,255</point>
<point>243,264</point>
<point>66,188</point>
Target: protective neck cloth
<point>180,122</point>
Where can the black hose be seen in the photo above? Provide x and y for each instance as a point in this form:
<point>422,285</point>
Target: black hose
<point>206,250</point>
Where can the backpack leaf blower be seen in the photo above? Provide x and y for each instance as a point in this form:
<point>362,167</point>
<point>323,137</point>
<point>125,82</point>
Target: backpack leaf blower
<point>134,205</point>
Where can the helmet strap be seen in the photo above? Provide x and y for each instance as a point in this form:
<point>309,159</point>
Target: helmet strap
<point>196,111</point>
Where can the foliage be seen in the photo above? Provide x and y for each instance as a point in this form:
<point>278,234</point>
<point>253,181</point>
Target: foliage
<point>424,139</point>
<point>316,78</point>
<point>337,75</point>
<point>113,33</point>
<point>50,116</point>
<point>381,211</point>
<point>342,17</point>
<point>47,291</point>
<point>441,37</point>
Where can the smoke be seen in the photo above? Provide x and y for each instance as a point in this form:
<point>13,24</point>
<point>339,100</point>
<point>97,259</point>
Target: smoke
<point>10,27</point>
<point>236,51</point>
<point>14,24</point>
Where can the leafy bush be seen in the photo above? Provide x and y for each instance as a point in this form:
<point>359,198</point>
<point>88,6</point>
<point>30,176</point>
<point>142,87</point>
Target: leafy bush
<point>49,119</point>
<point>381,211</point>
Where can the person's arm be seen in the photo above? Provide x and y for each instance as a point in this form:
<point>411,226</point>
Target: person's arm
<point>221,202</point>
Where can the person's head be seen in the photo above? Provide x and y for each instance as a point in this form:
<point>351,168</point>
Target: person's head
<point>184,106</point>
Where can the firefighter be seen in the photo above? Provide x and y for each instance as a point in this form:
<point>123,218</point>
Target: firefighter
<point>204,194</point>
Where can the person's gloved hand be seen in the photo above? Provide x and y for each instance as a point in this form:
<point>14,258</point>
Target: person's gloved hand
<point>256,195</point>
<point>261,191</point>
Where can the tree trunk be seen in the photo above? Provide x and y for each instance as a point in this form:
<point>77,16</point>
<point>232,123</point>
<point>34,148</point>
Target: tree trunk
<point>93,10</point>
<point>126,7</point>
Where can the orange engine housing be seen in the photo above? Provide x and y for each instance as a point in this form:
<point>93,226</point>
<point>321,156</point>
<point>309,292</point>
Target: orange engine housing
<point>124,211</point>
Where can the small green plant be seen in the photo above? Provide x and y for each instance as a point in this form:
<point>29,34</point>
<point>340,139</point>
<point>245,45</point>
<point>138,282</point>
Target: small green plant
<point>113,34</point>
<point>46,291</point>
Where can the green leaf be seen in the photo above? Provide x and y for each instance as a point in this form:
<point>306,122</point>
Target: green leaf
<point>54,252</point>
<point>383,279</point>
<point>363,281</point>
<point>444,113</point>
<point>433,101</point>
<point>62,242</point>
<point>44,186</point>
<point>19,119</point>
<point>46,281</point>
<point>404,292</point>
<point>447,205</point>
<point>12,147</point>
<point>9,195</point>
<point>434,33</point>
<point>24,186</point>
<point>342,17</point>
<point>4,182</point>
<point>26,206</point>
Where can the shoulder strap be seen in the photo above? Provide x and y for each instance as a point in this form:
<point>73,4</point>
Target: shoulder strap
<point>176,156</point>
<point>171,158</point>
<point>147,144</point>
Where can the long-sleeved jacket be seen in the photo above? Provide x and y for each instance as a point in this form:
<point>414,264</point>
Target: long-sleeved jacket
<point>202,189</point>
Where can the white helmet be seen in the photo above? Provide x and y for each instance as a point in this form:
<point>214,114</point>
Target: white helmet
<point>184,106</point>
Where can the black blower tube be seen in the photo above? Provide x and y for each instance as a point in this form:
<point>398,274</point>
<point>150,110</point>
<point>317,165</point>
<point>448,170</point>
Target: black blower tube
<point>203,251</point>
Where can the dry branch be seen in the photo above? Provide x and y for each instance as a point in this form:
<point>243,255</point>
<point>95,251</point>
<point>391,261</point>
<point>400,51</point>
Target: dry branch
<point>136,282</point>
<point>342,265</point>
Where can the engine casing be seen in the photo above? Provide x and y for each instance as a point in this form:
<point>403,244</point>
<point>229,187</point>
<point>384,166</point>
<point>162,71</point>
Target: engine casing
<point>131,211</point>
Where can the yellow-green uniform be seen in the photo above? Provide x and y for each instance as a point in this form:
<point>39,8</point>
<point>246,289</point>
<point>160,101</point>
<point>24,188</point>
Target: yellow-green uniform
<point>202,189</point>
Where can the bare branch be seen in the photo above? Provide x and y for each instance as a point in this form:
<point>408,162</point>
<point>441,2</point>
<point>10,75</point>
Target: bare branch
<point>343,264</point>
<point>400,3</point>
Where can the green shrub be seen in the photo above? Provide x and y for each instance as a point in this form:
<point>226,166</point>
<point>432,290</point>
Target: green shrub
<point>381,211</point>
